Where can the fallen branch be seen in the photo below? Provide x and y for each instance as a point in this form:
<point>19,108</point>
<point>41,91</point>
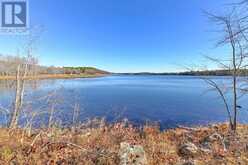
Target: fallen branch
<point>188,128</point>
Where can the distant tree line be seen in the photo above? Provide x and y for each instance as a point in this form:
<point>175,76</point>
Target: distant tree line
<point>8,65</point>
<point>243,72</point>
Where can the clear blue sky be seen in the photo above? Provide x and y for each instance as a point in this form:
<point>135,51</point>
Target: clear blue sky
<point>122,35</point>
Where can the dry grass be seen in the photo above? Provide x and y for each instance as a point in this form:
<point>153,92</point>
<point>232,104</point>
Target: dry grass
<point>100,145</point>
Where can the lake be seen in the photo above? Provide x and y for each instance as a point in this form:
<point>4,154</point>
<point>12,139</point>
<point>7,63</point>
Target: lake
<point>169,100</point>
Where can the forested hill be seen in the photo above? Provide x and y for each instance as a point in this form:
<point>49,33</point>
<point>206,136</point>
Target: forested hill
<point>86,70</point>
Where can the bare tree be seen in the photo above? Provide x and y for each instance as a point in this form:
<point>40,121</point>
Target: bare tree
<point>234,31</point>
<point>24,68</point>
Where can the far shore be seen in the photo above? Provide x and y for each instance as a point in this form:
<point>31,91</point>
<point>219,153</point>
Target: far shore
<point>55,76</point>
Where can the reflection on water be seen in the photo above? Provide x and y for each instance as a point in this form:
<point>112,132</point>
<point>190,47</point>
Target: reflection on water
<point>170,100</point>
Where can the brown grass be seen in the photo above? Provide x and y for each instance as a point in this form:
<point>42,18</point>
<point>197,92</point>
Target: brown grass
<point>101,145</point>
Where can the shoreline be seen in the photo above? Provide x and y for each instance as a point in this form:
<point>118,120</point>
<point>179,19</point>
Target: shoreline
<point>121,142</point>
<point>56,76</point>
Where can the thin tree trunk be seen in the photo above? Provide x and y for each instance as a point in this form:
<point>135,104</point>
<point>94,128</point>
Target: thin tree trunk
<point>235,101</point>
<point>23,83</point>
<point>50,122</point>
<point>14,117</point>
<point>20,86</point>
<point>75,114</point>
<point>234,85</point>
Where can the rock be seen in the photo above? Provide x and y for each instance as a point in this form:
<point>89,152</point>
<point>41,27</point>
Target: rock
<point>208,141</point>
<point>206,150</point>
<point>214,137</point>
<point>132,155</point>
<point>189,163</point>
<point>188,150</point>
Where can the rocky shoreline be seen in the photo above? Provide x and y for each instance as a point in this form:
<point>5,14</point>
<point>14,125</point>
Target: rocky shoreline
<point>124,144</point>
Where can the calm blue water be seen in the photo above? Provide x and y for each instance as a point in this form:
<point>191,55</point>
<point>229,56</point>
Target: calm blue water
<point>169,100</point>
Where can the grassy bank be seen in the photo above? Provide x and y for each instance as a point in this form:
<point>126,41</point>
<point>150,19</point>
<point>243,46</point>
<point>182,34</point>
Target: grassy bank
<point>55,76</point>
<point>105,144</point>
